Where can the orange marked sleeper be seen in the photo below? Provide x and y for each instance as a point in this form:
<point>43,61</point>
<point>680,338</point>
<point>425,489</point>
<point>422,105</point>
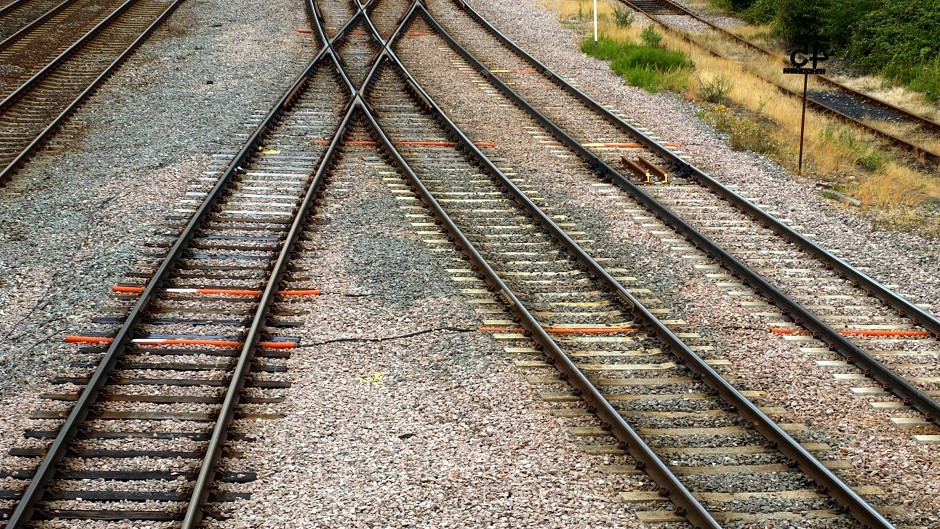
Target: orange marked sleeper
<point>858,332</point>
<point>217,291</point>
<point>178,341</point>
<point>566,330</point>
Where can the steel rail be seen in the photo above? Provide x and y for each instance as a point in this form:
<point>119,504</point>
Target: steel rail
<point>21,158</point>
<point>214,451</point>
<point>629,439</point>
<point>889,379</point>
<point>912,311</point>
<point>686,503</point>
<point>841,493</point>
<point>39,20</point>
<point>922,120</point>
<point>33,494</point>
<point>919,152</point>
<point>824,478</point>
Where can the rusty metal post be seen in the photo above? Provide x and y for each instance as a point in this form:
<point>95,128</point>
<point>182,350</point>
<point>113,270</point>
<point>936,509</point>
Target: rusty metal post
<point>799,170</point>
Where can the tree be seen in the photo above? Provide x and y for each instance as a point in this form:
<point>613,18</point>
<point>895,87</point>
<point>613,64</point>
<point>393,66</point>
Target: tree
<point>800,23</point>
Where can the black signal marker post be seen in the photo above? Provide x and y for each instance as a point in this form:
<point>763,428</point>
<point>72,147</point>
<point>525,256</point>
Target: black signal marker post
<point>799,59</point>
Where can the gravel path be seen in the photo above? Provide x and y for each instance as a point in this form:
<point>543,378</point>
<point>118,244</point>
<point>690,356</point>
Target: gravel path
<point>881,453</point>
<point>76,217</point>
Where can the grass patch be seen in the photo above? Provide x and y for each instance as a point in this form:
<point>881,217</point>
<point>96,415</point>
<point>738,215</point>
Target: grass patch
<point>865,152</point>
<point>649,67</point>
<point>745,133</point>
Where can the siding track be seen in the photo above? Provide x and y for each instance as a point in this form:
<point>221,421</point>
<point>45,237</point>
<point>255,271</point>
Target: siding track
<point>45,92</point>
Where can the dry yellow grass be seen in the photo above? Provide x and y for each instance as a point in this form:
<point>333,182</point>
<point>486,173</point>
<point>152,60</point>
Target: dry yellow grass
<point>834,151</point>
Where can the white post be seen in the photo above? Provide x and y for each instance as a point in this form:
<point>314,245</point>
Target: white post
<point>595,21</point>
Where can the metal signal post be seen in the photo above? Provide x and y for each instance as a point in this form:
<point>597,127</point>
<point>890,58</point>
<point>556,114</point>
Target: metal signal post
<point>799,59</point>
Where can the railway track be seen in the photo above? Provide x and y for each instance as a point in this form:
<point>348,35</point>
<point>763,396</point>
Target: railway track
<point>32,109</point>
<point>19,15</point>
<point>827,95</point>
<point>148,411</point>
<point>33,46</point>
<point>602,338</point>
<point>207,293</point>
<point>854,315</point>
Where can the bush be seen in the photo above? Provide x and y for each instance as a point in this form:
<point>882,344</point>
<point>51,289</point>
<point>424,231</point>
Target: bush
<point>716,89</point>
<point>896,38</point>
<point>799,22</point>
<point>651,37</point>
<point>623,17</point>
<point>841,20</point>
<point>900,39</point>
<point>926,80</point>
<point>760,12</point>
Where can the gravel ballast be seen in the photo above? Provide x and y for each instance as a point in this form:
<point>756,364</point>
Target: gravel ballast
<point>400,413</point>
<point>908,262</point>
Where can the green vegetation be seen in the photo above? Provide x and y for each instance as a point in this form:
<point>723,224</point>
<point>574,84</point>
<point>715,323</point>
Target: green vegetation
<point>716,89</point>
<point>646,66</point>
<point>623,17</point>
<point>899,39</point>
<point>865,152</point>
<point>651,37</point>
<point>745,132</point>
